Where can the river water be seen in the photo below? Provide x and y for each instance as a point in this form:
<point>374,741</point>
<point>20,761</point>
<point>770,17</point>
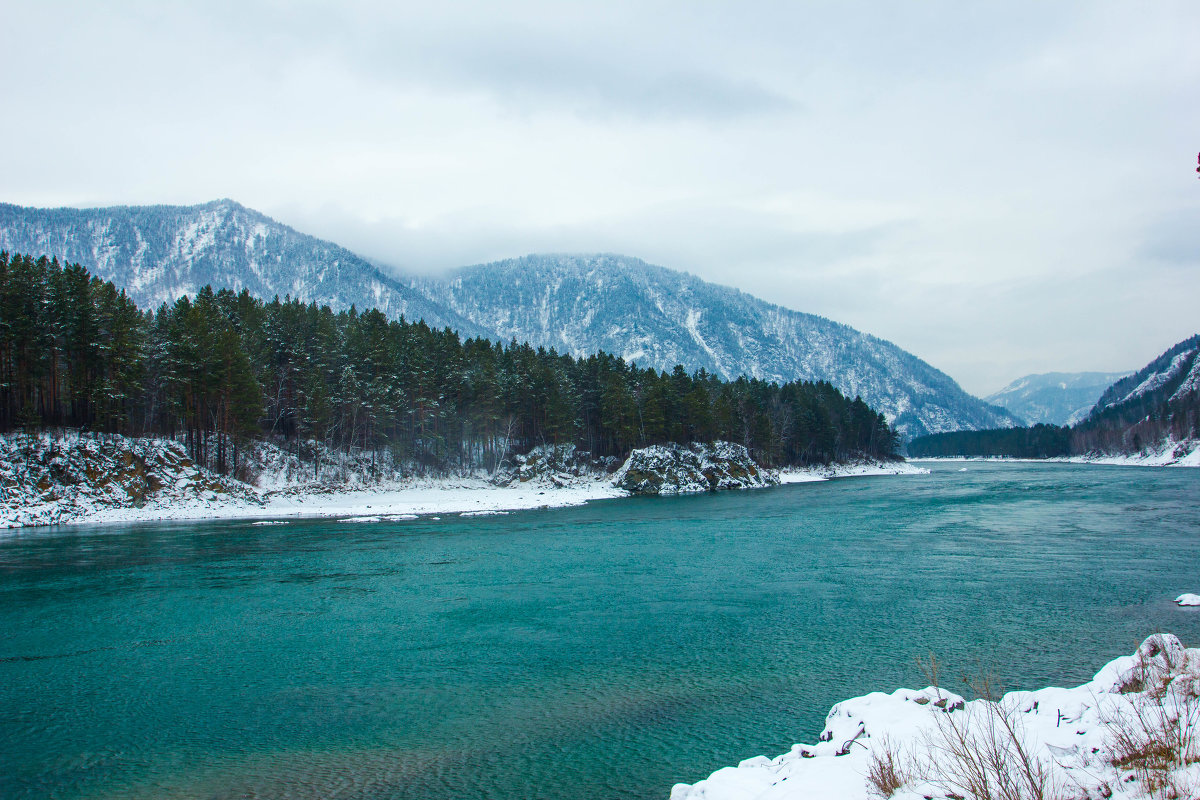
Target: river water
<point>607,651</point>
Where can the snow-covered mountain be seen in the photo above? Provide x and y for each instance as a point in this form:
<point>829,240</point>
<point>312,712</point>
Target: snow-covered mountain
<point>1169,378</point>
<point>1056,398</point>
<point>580,304</point>
<point>159,253</point>
<point>575,303</point>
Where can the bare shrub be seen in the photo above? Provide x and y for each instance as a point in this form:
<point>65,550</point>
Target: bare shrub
<point>888,770</point>
<point>980,750</point>
<point>1156,731</point>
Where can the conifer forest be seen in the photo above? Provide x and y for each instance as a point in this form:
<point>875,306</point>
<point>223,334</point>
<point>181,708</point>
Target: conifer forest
<point>220,369</point>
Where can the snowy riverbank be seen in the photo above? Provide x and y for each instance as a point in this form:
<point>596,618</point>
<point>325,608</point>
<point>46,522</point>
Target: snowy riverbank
<point>77,479</point>
<point>1131,732</point>
<point>1171,453</point>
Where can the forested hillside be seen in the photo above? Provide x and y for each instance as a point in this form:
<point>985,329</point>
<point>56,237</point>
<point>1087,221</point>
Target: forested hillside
<point>579,304</point>
<point>657,317</point>
<point>220,368</point>
<point>1157,406</point>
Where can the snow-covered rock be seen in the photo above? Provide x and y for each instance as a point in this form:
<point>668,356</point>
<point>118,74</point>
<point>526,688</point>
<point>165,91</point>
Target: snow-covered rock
<point>553,465</point>
<point>52,478</point>
<point>685,469</point>
<point>1074,735</point>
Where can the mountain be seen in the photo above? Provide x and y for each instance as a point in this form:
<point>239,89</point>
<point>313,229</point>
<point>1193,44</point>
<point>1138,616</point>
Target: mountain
<point>575,303</point>
<point>1055,398</point>
<point>659,317</point>
<point>1168,380</point>
<point>1153,414</point>
<point>160,253</point>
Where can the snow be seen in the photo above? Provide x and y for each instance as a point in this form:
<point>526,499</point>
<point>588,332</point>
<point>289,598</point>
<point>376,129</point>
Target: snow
<point>394,501</point>
<point>1069,732</point>
<point>859,469</point>
<point>45,480</point>
<point>1188,600</point>
<point>1170,453</point>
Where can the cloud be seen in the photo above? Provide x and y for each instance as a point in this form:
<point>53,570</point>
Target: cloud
<point>1000,187</point>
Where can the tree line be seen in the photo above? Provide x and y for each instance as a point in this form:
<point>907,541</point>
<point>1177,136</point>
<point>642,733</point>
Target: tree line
<point>1126,427</point>
<point>1039,441</point>
<point>220,369</point>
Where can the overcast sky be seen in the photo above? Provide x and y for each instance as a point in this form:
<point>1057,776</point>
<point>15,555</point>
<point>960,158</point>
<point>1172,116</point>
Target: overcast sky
<point>1000,188</point>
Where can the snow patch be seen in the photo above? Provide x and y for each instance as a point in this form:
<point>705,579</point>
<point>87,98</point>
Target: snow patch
<point>1068,731</point>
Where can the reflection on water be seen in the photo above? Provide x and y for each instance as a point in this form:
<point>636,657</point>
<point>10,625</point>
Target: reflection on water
<point>610,650</point>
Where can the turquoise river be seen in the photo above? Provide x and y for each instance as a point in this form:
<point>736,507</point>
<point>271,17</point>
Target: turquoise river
<point>606,651</point>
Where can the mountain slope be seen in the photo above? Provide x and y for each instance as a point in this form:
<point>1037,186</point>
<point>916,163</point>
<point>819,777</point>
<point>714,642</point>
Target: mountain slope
<point>1160,403</point>
<point>1171,376</point>
<point>658,317</point>
<point>1055,398</point>
<point>159,253</point>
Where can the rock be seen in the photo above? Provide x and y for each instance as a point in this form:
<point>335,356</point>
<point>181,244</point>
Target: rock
<point>684,469</point>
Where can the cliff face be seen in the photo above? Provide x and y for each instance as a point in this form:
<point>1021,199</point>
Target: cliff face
<point>679,469</point>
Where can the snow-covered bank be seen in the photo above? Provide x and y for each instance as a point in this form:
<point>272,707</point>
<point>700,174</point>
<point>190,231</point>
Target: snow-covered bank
<point>854,469</point>
<point>1133,731</point>
<point>70,478</point>
<point>1167,454</point>
<point>47,479</point>
<point>74,478</point>
<point>399,499</point>
<point>1170,453</point>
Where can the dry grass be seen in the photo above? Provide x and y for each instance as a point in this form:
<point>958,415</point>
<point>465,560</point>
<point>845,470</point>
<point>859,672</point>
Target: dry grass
<point>888,770</point>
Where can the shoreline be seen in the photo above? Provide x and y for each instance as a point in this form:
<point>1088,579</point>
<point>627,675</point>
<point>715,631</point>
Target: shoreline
<point>1171,453</point>
<point>909,730</point>
<point>413,498</point>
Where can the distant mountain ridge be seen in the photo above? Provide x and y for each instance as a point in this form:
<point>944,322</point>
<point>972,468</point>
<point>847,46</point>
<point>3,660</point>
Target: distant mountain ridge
<point>659,317</point>
<point>575,303</point>
<point>160,253</point>
<point>1054,398</point>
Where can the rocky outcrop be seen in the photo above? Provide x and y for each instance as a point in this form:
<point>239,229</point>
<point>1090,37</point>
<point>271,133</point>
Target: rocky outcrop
<point>553,465</point>
<point>684,469</point>
<point>46,479</point>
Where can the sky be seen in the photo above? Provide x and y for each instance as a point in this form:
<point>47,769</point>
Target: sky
<point>1000,188</point>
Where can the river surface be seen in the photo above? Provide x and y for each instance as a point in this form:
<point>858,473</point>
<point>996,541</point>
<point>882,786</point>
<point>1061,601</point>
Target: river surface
<point>607,651</point>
